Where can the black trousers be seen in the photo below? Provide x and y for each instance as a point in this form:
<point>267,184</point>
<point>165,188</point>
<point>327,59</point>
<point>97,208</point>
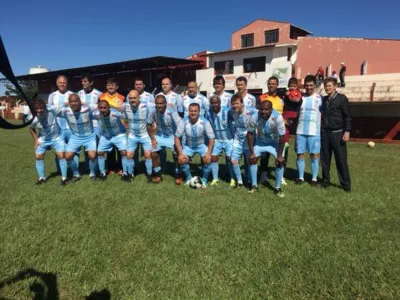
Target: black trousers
<point>331,141</point>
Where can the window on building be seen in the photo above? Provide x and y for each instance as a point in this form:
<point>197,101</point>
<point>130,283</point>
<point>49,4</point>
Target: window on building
<point>289,54</point>
<point>223,67</point>
<point>254,64</point>
<point>248,40</point>
<point>272,36</point>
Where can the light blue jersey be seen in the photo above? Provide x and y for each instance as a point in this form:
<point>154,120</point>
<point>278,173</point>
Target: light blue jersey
<point>137,119</point>
<point>80,123</point>
<point>166,123</point>
<point>309,116</point>
<point>249,100</point>
<point>225,99</point>
<point>220,124</point>
<point>172,98</point>
<point>91,98</point>
<point>144,98</point>
<point>183,105</point>
<point>47,125</point>
<point>196,134</point>
<point>111,125</point>
<point>58,100</point>
<point>240,124</point>
<point>267,131</point>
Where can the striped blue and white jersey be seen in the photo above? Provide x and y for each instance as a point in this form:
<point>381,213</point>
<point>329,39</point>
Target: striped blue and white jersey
<point>166,123</point>
<point>90,99</point>
<point>48,129</point>
<point>183,105</point>
<point>111,125</point>
<point>309,116</point>
<point>196,134</point>
<point>80,123</point>
<point>225,99</point>
<point>267,131</point>
<point>137,119</point>
<point>58,100</point>
<point>240,123</point>
<point>172,98</point>
<point>219,123</point>
<point>249,100</point>
<point>144,98</point>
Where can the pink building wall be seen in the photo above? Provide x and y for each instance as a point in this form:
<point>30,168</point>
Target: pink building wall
<point>383,56</point>
<point>258,28</point>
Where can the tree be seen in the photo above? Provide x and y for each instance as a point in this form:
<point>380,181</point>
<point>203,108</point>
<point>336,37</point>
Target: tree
<point>30,88</point>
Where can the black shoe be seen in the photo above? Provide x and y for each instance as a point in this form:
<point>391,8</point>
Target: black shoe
<point>93,178</point>
<point>125,178</point>
<point>238,185</point>
<point>253,189</point>
<point>149,178</point>
<point>75,179</point>
<point>40,181</point>
<point>299,181</point>
<point>346,189</point>
<point>131,177</point>
<point>325,185</point>
<point>64,182</point>
<point>102,177</point>
<point>314,183</point>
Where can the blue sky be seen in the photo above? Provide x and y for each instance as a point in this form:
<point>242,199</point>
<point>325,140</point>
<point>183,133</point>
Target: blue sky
<point>65,34</point>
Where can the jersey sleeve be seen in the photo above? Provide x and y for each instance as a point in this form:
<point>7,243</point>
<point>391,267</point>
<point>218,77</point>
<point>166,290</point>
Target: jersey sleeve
<point>209,131</point>
<point>34,123</point>
<point>175,117</point>
<point>150,117</point>
<point>180,105</point>
<point>50,101</point>
<point>151,98</point>
<point>253,123</point>
<point>180,129</point>
<point>59,111</point>
<point>253,101</point>
<point>280,125</point>
<point>96,114</point>
<point>206,104</point>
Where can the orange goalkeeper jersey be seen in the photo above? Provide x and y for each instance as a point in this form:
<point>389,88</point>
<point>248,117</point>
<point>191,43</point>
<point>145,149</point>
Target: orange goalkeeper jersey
<point>115,100</point>
<point>277,102</point>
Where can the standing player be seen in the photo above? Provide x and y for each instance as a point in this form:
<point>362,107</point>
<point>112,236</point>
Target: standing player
<point>219,86</point>
<point>136,113</point>
<point>115,100</point>
<point>277,104</point>
<point>171,97</point>
<point>239,121</point>
<point>308,136</point>
<point>193,96</point>
<point>46,122</point>
<point>268,130</point>
<point>113,134</point>
<point>218,117</point>
<point>59,99</point>
<point>80,120</point>
<point>197,131</point>
<point>166,120</point>
<point>248,99</point>
<point>139,86</point>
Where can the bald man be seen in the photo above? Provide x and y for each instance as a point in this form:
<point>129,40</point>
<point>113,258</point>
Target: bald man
<point>136,114</point>
<point>268,130</point>
<point>193,96</point>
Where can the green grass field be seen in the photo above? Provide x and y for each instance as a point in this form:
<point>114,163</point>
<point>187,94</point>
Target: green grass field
<point>141,241</point>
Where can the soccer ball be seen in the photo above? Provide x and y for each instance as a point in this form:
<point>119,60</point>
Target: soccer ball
<point>196,182</point>
<point>371,144</point>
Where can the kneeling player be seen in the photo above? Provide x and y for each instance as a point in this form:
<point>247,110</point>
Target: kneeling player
<point>112,134</point>
<point>46,121</point>
<point>80,120</point>
<point>196,131</point>
<point>268,129</point>
<point>166,120</point>
<point>218,117</point>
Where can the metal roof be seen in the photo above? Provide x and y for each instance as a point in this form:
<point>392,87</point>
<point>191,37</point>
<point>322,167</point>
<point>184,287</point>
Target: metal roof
<point>150,63</point>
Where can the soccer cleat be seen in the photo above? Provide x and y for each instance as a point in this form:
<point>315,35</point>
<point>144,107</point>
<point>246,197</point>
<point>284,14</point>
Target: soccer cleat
<point>157,178</point>
<point>75,179</point>
<point>238,185</point>
<point>64,182</point>
<point>232,184</point>
<point>299,180</point>
<point>325,185</point>
<point>264,176</point>
<point>40,181</point>
<point>314,183</point>
<point>149,178</point>
<point>178,179</point>
<point>214,182</point>
<point>283,181</point>
<point>279,192</point>
<point>131,177</point>
<point>93,178</point>
<point>102,177</point>
<point>253,189</point>
<point>125,178</point>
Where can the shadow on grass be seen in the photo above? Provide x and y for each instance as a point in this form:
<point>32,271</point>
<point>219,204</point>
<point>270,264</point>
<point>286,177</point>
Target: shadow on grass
<point>46,288</point>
